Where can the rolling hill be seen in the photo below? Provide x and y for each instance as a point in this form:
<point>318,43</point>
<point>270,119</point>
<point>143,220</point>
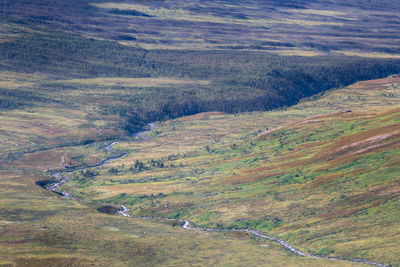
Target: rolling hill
<point>227,133</point>
<point>324,182</point>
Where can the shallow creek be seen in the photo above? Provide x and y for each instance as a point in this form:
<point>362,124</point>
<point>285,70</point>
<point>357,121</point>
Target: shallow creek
<point>62,178</point>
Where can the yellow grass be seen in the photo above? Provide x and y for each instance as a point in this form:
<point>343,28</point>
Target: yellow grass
<point>166,13</point>
<point>14,80</point>
<point>139,189</point>
<point>309,22</point>
<point>297,52</point>
<point>318,12</point>
<point>368,55</point>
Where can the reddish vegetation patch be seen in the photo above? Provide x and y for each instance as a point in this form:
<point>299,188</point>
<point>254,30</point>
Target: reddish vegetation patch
<point>393,114</point>
<point>383,190</point>
<point>327,178</point>
<point>341,213</point>
<point>352,210</point>
<point>240,235</point>
<point>324,116</point>
<point>309,121</point>
<point>309,145</point>
<point>296,154</point>
<point>358,115</point>
<point>372,84</point>
<point>236,159</point>
<point>240,179</point>
<point>264,168</point>
<point>347,158</point>
<point>49,130</point>
<point>42,159</point>
<point>359,141</point>
<point>376,148</point>
<point>283,166</point>
<point>265,133</point>
<point>356,172</point>
<point>324,179</point>
<point>295,163</point>
<point>392,79</point>
<point>365,200</point>
<point>373,139</point>
<point>393,163</point>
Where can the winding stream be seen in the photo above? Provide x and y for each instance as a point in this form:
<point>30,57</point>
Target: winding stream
<point>185,224</point>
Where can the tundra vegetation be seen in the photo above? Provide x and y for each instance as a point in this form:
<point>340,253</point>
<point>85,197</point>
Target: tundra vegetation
<point>262,123</point>
<point>322,175</point>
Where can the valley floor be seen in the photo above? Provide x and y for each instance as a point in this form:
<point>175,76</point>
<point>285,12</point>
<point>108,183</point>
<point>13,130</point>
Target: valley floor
<point>322,175</point>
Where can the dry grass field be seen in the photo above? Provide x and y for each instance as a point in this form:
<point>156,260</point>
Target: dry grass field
<point>322,175</point>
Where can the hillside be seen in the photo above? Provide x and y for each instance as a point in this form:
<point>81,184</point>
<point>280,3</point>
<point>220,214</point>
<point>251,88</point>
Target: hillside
<point>75,60</point>
<point>321,175</point>
<point>198,133</point>
<point>325,181</point>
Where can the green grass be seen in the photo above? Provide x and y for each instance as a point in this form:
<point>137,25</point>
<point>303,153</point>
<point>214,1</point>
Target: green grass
<point>39,228</point>
<point>316,182</point>
<point>74,77</point>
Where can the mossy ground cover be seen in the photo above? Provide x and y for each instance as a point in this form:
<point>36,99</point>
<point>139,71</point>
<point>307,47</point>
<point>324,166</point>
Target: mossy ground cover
<point>322,175</point>
<point>207,176</point>
<point>220,170</point>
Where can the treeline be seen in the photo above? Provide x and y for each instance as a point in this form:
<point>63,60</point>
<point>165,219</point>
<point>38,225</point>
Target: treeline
<point>239,81</point>
<point>16,98</point>
<point>250,91</point>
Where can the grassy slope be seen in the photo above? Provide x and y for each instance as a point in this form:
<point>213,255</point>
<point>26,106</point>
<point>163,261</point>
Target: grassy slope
<point>41,228</point>
<point>52,96</point>
<point>38,227</point>
<point>327,183</point>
